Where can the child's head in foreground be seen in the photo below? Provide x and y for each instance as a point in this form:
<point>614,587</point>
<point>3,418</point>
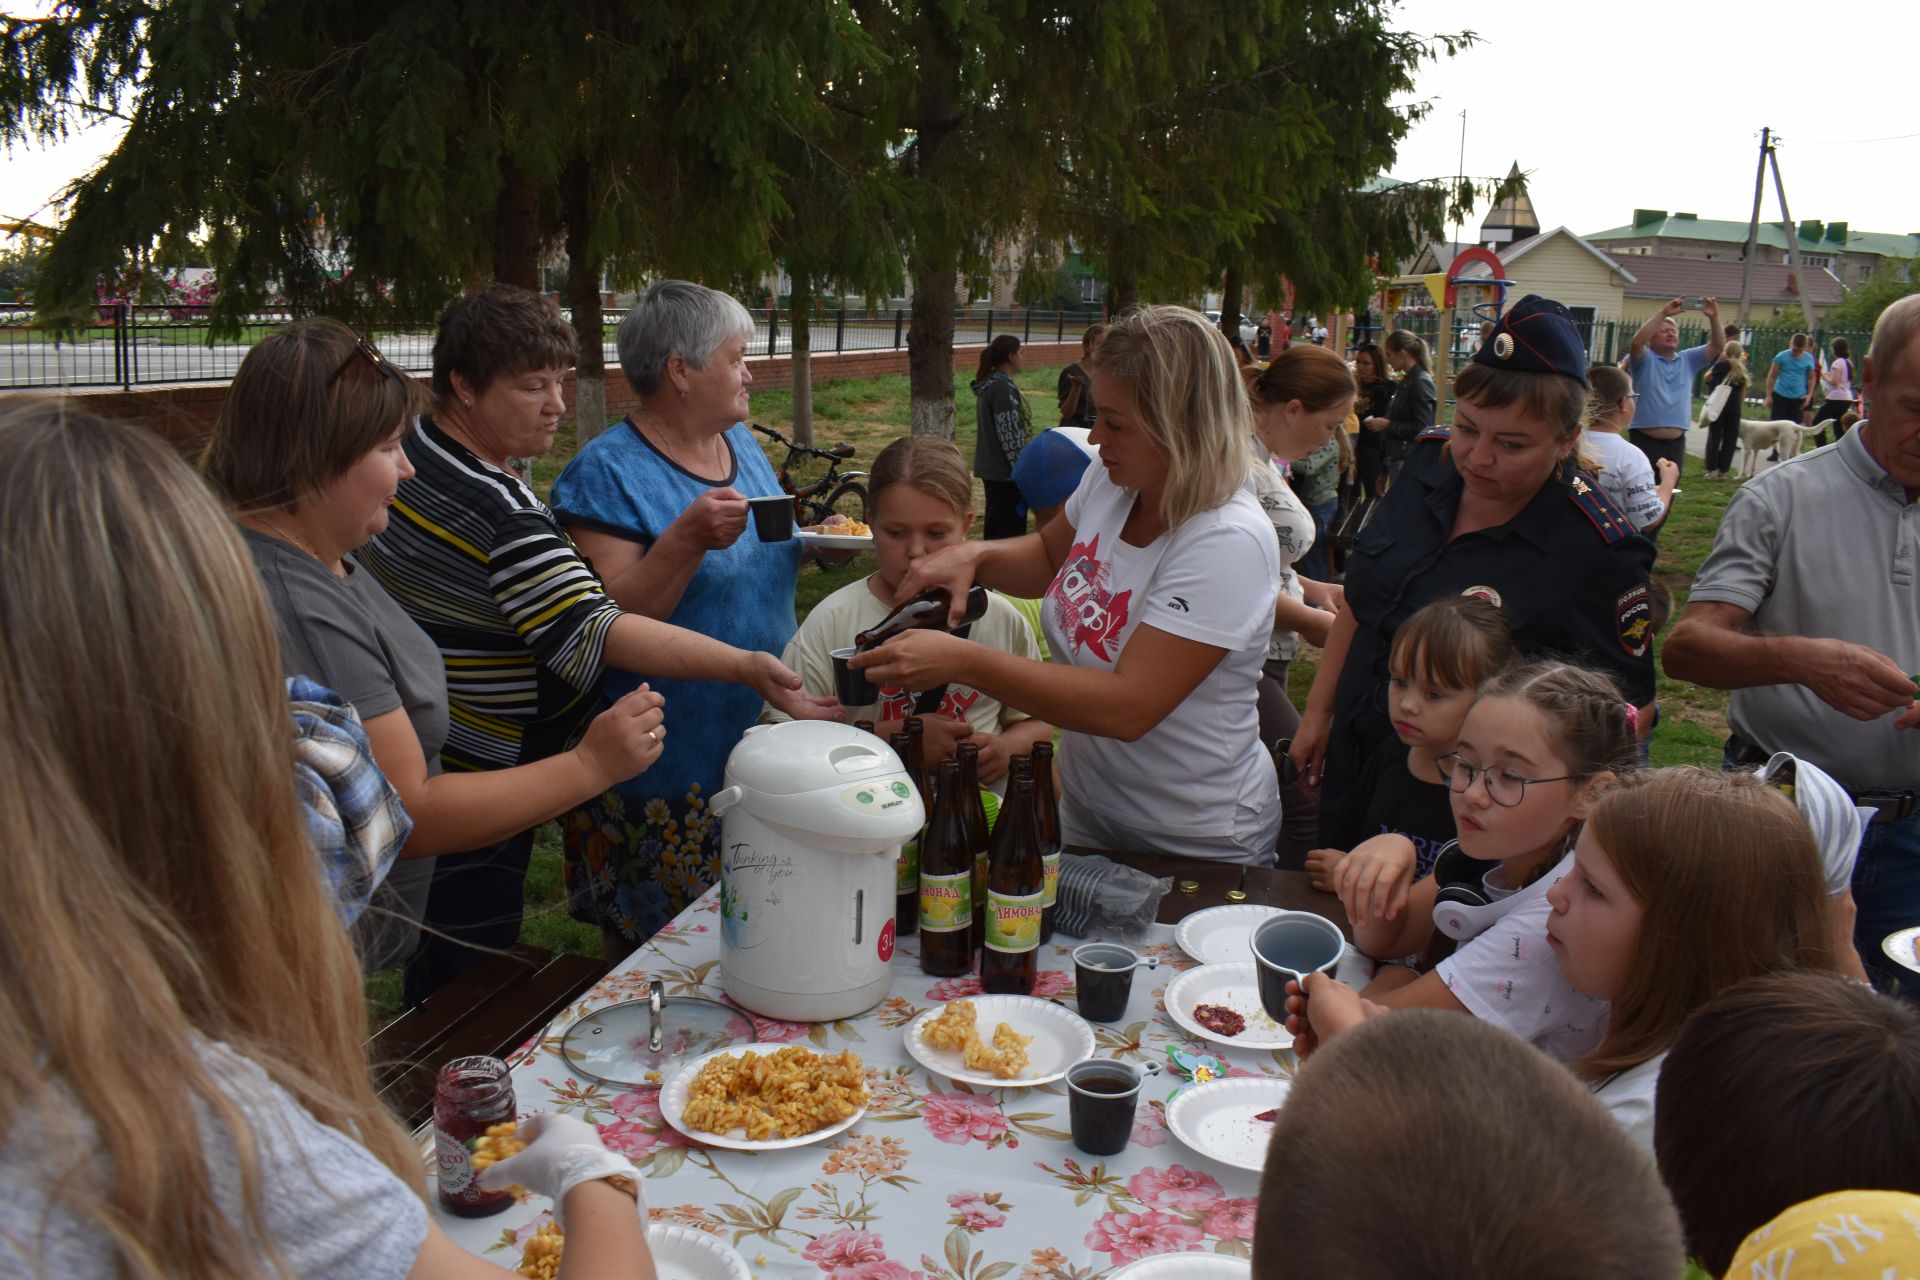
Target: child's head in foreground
<point>1429,1146</point>
<point>1782,1089</point>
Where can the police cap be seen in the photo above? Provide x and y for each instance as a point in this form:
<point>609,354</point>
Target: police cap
<point>1537,335</point>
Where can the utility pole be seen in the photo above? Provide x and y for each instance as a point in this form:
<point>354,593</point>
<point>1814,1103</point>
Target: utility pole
<point>1793,241</point>
<point>1753,227</point>
<point>1460,176</point>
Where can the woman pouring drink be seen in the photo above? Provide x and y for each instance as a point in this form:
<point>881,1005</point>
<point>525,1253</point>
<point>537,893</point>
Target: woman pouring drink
<point>1159,578</point>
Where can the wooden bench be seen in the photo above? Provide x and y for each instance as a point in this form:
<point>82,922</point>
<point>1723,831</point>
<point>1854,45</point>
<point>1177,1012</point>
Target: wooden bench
<point>491,1009</point>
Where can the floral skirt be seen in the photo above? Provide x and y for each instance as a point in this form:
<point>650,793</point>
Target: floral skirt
<point>634,860</point>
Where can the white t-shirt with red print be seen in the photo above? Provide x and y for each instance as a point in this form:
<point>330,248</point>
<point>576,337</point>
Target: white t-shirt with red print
<point>1199,780</point>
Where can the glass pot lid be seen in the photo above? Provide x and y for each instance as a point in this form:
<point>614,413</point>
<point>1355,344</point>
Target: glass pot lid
<point>635,1042</point>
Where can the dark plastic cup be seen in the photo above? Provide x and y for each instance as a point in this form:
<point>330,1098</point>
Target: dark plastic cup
<point>1102,1094</point>
<point>773,518</point>
<point>1287,948</point>
<point>1103,979</point>
<point>851,686</point>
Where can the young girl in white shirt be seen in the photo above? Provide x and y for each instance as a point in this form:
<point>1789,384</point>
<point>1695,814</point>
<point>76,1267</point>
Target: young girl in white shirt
<point>1684,882</point>
<point>922,502</point>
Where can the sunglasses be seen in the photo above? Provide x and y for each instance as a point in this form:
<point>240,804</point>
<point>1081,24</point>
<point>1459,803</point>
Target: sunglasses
<point>361,347</point>
<point>1289,771</point>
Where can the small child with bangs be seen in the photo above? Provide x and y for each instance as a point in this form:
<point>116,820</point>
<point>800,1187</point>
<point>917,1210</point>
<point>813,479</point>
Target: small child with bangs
<point>921,501</point>
<point>1440,657</point>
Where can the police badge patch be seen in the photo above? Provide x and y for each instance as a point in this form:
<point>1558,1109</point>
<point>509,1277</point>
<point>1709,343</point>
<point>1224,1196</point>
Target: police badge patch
<point>1633,616</point>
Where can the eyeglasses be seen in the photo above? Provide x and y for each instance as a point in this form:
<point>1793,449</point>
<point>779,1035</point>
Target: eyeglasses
<point>361,347</point>
<point>1504,789</point>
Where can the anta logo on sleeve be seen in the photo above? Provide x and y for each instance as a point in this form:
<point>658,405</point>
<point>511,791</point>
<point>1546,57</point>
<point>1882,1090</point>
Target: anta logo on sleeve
<point>1176,602</point>
<point>1088,613</point>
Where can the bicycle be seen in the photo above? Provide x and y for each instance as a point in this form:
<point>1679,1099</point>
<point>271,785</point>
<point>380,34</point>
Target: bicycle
<point>844,494</point>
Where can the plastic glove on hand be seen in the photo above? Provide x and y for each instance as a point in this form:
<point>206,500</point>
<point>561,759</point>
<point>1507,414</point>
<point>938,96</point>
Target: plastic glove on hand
<point>561,1153</point>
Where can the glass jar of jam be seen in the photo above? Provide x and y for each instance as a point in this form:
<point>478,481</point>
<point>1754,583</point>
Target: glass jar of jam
<point>471,1094</point>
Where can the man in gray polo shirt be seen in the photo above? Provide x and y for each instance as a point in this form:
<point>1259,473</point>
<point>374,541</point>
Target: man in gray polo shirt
<point>1663,377</point>
<point>1807,609</point>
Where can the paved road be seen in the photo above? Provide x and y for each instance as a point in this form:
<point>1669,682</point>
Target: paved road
<point>91,363</point>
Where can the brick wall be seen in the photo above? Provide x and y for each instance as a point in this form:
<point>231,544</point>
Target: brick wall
<point>185,413</point>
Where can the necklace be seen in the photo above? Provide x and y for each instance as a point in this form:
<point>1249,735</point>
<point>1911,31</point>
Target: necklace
<point>659,439</point>
<point>287,535</point>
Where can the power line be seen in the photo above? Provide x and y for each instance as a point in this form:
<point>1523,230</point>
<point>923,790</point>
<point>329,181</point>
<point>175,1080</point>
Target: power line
<point>1845,142</point>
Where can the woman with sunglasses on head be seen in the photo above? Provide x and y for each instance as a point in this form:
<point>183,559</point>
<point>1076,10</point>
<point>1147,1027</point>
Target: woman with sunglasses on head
<point>316,439</point>
<point>307,449</point>
<point>182,1080</point>
<point>1493,508</point>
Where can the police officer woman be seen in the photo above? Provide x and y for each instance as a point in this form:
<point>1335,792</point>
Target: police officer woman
<point>1494,509</point>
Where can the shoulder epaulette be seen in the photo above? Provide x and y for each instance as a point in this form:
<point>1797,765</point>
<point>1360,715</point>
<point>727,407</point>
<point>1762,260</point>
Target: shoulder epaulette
<point>1608,520</point>
<point>1433,433</point>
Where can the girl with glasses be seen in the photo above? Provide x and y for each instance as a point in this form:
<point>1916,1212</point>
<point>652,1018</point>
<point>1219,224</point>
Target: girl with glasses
<point>1540,745</point>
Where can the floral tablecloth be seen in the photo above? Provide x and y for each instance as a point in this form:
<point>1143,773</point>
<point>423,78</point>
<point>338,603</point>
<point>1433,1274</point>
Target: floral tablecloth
<point>938,1181</point>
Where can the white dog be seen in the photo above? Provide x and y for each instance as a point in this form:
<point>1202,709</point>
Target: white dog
<point>1756,437</point>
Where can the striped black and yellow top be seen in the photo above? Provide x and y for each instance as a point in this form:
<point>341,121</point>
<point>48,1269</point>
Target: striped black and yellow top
<point>488,573</point>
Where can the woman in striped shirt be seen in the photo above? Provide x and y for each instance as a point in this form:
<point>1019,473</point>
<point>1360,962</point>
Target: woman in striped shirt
<point>523,624</point>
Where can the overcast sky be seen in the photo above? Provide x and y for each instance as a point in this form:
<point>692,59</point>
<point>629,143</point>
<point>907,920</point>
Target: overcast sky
<point>1637,106</point>
<point>1609,108</point>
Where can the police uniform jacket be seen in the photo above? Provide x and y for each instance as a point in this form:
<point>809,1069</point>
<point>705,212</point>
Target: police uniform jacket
<point>1569,572</point>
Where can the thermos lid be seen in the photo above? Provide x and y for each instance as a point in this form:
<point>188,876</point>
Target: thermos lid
<point>798,756</point>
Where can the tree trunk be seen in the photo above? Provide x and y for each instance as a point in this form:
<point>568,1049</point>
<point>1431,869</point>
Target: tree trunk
<point>936,247</point>
<point>930,345</point>
<point>800,330</point>
<point>1123,289</point>
<point>516,230</point>
<point>589,317</point>
<point>1230,304</point>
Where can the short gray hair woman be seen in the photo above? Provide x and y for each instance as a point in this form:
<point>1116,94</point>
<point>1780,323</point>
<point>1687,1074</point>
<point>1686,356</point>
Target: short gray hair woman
<point>658,503</point>
<point>677,318</point>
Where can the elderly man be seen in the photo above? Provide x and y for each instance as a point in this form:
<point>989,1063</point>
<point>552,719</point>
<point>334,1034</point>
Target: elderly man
<point>1807,609</point>
<point>1663,377</point>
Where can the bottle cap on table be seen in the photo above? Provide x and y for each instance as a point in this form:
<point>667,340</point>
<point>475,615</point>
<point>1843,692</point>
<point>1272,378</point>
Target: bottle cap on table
<point>1189,886</point>
<point>1236,895</point>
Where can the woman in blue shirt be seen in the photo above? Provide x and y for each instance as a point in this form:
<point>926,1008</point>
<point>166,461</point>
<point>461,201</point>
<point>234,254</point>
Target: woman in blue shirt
<point>1790,381</point>
<point>658,504</point>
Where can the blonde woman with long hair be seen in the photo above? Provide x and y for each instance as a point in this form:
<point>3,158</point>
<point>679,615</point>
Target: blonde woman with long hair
<point>182,1083</point>
<point>1159,577</point>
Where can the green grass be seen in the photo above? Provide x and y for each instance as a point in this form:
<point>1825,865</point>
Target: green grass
<point>870,412</point>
